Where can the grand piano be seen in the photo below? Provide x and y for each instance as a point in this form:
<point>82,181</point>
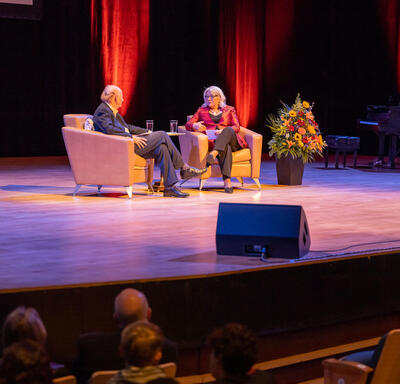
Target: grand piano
<point>385,122</point>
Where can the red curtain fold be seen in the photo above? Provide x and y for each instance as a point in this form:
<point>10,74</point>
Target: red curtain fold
<point>240,45</point>
<point>279,19</point>
<point>122,28</point>
<point>390,20</point>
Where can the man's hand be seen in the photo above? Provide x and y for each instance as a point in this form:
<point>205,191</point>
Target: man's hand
<point>139,141</point>
<point>199,126</point>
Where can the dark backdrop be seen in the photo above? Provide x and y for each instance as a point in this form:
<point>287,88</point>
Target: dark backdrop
<point>337,58</point>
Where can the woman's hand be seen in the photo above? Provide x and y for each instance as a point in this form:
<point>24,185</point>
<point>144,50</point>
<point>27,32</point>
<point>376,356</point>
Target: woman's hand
<point>199,126</point>
<point>139,141</point>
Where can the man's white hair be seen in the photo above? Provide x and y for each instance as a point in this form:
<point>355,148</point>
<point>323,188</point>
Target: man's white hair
<point>109,90</point>
<point>214,89</point>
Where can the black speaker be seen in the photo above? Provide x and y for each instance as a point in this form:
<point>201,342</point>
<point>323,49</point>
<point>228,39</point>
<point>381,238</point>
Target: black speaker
<point>266,230</point>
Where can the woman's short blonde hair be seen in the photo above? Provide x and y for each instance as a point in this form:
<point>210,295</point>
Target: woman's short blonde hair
<point>109,90</point>
<point>214,89</point>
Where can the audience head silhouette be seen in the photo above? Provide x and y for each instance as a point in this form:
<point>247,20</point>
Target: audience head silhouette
<point>233,351</point>
<point>131,305</point>
<point>25,362</point>
<point>141,344</point>
<point>23,324</point>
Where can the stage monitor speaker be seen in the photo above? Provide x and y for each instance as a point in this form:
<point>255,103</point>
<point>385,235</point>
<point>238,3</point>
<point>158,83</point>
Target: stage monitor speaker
<point>262,230</point>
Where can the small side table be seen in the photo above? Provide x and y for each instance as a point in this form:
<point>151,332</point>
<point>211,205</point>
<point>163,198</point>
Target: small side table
<point>341,144</point>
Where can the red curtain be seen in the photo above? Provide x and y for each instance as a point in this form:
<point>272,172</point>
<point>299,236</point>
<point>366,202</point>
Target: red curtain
<point>279,18</point>
<point>122,29</point>
<point>240,45</point>
<point>390,20</point>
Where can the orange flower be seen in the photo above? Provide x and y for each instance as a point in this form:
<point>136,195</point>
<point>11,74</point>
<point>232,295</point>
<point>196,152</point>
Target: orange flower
<point>311,129</point>
<point>289,143</point>
<point>302,131</point>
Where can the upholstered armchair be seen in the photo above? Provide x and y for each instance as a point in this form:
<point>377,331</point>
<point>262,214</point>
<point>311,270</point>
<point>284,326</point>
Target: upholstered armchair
<point>99,159</point>
<point>245,162</point>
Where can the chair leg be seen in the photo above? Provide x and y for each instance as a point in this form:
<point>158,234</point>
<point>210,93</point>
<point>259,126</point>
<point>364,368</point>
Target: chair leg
<point>129,191</point>
<point>98,188</point>
<point>150,187</point>
<point>76,189</point>
<point>326,156</point>
<point>344,159</point>
<point>201,183</point>
<point>240,178</point>
<point>257,181</point>
<point>355,159</point>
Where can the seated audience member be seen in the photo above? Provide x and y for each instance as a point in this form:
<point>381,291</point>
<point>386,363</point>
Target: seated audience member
<point>25,362</point>
<point>23,324</point>
<point>98,351</point>
<point>233,354</point>
<point>140,346</point>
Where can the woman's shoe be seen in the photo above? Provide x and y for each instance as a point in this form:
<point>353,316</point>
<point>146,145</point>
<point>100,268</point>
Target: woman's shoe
<point>228,189</point>
<point>210,160</point>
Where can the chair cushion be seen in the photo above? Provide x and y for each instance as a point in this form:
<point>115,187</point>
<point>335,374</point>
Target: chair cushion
<point>346,143</point>
<point>140,161</point>
<point>241,155</point>
<point>76,120</point>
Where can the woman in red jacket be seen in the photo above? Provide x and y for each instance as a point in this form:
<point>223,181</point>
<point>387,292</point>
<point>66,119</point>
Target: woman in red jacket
<point>214,114</point>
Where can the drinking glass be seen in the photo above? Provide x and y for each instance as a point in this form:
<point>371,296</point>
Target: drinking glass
<point>149,125</point>
<point>173,126</point>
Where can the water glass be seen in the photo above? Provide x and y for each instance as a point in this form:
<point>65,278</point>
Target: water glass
<point>173,126</point>
<point>149,125</point>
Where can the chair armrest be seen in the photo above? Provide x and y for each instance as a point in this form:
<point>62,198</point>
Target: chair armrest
<point>254,141</point>
<point>95,157</point>
<point>349,371</point>
<point>194,147</point>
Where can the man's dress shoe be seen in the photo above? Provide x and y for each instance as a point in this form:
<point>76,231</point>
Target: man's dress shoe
<point>190,172</point>
<point>228,189</point>
<point>174,192</point>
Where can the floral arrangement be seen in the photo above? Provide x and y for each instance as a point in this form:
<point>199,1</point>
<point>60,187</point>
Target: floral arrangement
<point>295,132</point>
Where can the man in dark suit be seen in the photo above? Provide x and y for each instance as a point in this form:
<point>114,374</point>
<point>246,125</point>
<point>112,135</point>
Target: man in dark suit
<point>99,351</point>
<point>155,145</point>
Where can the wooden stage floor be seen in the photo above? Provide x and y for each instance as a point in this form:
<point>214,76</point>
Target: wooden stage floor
<point>50,239</point>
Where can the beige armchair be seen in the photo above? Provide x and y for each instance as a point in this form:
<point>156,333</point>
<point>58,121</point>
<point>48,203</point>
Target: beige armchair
<point>99,159</point>
<point>245,162</point>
